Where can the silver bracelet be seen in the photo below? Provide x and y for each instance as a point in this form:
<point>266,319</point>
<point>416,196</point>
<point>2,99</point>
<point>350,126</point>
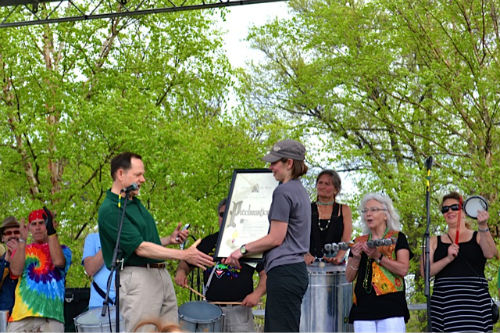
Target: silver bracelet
<point>354,268</point>
<point>483,230</point>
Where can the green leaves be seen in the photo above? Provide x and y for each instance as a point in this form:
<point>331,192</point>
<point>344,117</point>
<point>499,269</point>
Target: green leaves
<point>387,84</point>
<point>73,95</point>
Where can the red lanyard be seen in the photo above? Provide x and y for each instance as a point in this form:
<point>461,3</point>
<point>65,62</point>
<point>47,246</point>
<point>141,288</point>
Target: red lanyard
<point>459,221</point>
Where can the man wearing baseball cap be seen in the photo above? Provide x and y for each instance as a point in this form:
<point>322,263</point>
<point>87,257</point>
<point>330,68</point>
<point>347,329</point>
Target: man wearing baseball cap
<point>9,229</point>
<point>41,267</point>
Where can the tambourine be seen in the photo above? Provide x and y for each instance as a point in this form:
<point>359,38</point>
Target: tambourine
<point>474,204</point>
<point>332,249</point>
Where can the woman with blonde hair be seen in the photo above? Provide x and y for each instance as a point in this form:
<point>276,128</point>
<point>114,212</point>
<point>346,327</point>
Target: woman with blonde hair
<point>460,300</point>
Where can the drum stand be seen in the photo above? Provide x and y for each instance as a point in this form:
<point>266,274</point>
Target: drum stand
<point>114,264</point>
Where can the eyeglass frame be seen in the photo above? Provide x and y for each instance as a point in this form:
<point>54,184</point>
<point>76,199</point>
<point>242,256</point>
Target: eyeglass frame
<point>372,210</point>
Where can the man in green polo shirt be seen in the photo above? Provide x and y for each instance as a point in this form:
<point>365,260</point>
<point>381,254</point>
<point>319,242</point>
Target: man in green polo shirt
<point>146,289</point>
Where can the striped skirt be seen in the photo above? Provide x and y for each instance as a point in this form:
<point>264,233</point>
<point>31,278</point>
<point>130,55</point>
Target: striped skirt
<point>461,304</point>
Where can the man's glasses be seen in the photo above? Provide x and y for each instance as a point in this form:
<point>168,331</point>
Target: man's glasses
<point>10,232</point>
<point>221,214</point>
<point>454,207</point>
<point>372,210</point>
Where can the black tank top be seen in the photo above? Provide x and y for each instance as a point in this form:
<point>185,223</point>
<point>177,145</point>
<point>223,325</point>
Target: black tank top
<point>323,232</point>
<point>470,260</point>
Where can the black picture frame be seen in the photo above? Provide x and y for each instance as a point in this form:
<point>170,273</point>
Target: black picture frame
<point>247,209</point>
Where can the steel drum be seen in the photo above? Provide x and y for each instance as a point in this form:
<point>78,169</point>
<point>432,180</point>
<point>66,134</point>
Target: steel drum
<point>327,301</point>
<point>200,317</point>
<point>92,321</point>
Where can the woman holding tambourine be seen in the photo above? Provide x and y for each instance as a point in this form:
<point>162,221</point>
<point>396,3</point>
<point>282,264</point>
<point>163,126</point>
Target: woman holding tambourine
<point>460,300</point>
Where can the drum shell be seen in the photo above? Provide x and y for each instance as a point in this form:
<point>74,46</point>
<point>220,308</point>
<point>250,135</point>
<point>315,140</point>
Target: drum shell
<point>327,301</point>
<point>4,317</point>
<point>92,321</point>
<point>200,317</point>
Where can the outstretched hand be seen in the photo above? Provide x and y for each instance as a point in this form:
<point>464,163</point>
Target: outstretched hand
<point>196,257</point>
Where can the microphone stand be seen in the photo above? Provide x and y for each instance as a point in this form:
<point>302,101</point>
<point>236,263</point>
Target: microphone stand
<point>114,265</point>
<point>427,262</point>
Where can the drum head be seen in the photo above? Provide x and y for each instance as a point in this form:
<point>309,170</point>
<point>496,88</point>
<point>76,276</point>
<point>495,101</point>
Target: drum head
<point>473,204</point>
<point>199,312</point>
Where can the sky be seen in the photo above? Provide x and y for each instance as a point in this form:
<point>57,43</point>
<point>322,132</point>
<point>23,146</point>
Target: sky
<point>238,20</point>
<point>237,23</point>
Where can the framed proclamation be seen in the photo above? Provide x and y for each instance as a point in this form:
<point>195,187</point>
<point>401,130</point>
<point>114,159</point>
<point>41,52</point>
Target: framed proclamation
<point>245,218</point>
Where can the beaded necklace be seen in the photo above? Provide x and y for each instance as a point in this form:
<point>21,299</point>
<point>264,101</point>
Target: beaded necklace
<point>327,221</point>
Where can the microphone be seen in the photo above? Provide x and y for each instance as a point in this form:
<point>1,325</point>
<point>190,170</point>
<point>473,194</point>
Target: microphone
<point>428,163</point>
<point>131,187</point>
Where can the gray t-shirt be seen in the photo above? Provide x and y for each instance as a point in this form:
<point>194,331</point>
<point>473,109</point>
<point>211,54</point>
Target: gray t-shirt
<point>290,204</point>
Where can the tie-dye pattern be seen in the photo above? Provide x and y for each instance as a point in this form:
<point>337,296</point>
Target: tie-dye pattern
<point>40,291</point>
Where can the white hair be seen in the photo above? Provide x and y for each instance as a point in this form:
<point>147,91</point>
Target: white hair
<point>391,213</point>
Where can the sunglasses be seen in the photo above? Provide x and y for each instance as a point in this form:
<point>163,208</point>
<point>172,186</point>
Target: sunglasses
<point>10,232</point>
<point>221,214</point>
<point>454,207</point>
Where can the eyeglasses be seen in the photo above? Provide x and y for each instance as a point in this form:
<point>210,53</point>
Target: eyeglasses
<point>10,232</point>
<point>372,210</point>
<point>221,214</point>
<point>454,207</point>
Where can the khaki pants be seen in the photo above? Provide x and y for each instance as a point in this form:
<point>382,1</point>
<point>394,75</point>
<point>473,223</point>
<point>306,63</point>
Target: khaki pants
<point>35,324</point>
<point>145,294</point>
<point>237,318</point>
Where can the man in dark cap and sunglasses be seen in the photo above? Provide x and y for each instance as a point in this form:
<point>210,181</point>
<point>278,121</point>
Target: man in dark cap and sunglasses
<point>9,230</point>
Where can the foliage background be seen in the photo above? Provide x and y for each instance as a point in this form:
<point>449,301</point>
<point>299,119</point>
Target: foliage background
<point>372,87</point>
<point>383,85</point>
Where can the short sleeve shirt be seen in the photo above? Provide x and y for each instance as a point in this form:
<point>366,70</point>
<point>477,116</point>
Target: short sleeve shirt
<point>291,205</point>
<point>228,284</point>
<point>138,226</point>
<point>40,290</point>
<point>90,248</point>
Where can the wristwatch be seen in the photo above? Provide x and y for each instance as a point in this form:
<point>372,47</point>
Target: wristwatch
<point>243,249</point>
<point>379,259</point>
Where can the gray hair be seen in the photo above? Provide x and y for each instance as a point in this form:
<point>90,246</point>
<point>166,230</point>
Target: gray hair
<point>391,213</point>
<point>223,202</point>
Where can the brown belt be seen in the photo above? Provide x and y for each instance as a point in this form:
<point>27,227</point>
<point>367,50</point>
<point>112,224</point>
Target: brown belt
<point>153,265</point>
